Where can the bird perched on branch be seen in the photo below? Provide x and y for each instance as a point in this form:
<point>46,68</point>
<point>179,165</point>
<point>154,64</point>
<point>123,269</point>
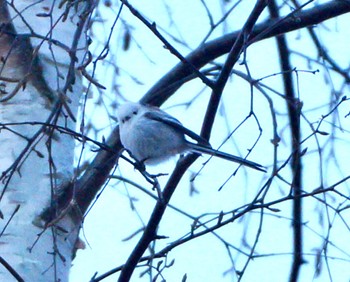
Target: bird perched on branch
<point>152,136</point>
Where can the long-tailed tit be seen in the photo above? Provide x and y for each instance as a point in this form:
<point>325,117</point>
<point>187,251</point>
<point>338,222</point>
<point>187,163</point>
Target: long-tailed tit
<point>151,136</point>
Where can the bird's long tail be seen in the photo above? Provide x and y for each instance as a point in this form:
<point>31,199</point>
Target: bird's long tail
<point>207,150</point>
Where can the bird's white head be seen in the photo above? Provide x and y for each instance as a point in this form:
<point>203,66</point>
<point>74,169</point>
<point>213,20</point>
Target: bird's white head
<point>127,111</point>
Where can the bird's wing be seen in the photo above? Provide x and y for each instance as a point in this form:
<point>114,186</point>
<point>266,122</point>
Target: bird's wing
<point>173,122</point>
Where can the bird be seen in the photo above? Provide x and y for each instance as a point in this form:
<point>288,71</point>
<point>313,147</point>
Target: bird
<point>152,136</point>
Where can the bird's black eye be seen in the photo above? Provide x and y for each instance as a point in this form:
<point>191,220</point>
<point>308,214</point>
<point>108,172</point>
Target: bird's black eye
<point>134,112</point>
<point>127,118</point>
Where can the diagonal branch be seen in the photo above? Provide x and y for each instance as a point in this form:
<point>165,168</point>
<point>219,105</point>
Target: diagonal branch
<point>206,53</point>
<point>150,232</point>
<point>238,47</point>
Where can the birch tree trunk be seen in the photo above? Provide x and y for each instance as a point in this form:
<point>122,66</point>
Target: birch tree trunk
<point>40,90</point>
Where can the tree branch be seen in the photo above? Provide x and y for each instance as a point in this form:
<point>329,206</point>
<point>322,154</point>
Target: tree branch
<point>294,109</point>
<point>206,53</point>
<point>150,232</point>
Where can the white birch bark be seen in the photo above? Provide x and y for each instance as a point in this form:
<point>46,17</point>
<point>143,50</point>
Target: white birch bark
<point>28,184</point>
